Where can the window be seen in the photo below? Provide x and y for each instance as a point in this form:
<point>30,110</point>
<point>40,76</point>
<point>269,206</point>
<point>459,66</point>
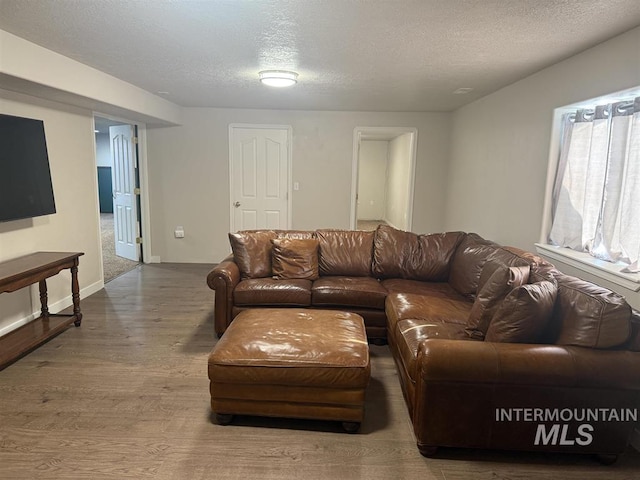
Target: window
<point>596,195</point>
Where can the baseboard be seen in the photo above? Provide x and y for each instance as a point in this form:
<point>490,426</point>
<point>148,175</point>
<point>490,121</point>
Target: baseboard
<point>635,439</point>
<point>154,259</point>
<point>54,307</point>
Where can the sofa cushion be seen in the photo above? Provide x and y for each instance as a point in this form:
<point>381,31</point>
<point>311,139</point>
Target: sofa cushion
<point>532,259</point>
<point>252,252</point>
<point>467,263</point>
<point>349,292</point>
<point>435,289</point>
<point>402,306</point>
<point>524,314</point>
<point>400,254</point>
<point>540,269</point>
<point>272,292</point>
<point>294,258</point>
<point>490,295</point>
<point>589,315</point>
<point>501,258</point>
<point>391,248</point>
<point>345,252</point>
<point>296,234</point>
<point>410,333</point>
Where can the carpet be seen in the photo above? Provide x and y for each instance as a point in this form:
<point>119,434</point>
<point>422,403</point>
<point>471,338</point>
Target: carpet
<point>113,264</point>
<point>369,224</point>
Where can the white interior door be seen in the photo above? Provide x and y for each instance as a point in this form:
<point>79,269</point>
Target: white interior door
<point>123,172</point>
<point>259,178</point>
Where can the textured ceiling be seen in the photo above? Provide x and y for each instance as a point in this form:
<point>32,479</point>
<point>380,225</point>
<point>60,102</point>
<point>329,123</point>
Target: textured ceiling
<point>372,55</point>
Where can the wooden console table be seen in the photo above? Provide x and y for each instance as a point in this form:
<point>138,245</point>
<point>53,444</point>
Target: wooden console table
<point>28,270</point>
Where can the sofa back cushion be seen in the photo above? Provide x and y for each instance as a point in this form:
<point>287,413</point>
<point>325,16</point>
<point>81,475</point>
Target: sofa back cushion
<point>491,294</point>
<point>467,263</point>
<point>588,315</point>
<point>345,252</point>
<point>252,252</point>
<point>293,258</point>
<point>399,254</point>
<point>523,314</point>
<point>296,234</point>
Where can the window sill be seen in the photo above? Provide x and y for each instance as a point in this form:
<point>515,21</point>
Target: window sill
<point>585,262</point>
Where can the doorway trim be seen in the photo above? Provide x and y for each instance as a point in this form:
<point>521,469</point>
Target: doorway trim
<point>392,132</point>
<point>143,172</point>
<point>289,130</point>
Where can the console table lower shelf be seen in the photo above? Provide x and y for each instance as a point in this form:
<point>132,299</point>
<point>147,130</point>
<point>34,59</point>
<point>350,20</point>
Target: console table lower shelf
<point>28,270</point>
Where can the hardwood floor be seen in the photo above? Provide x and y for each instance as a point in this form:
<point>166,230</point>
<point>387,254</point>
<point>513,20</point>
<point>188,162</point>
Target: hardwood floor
<point>126,396</point>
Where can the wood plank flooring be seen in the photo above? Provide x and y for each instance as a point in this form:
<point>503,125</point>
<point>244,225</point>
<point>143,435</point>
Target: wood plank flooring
<point>126,396</point>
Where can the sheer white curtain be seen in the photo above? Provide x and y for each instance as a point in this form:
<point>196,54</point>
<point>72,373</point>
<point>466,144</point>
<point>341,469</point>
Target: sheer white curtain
<point>597,191</point>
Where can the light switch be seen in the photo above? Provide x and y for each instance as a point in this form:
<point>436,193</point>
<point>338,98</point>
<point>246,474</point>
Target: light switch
<point>179,232</point>
<point>296,186</point>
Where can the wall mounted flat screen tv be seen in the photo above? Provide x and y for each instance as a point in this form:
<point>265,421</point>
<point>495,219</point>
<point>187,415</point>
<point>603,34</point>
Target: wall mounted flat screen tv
<point>25,178</point>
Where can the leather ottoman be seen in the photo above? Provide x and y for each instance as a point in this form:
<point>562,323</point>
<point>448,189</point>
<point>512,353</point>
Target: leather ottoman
<point>297,363</point>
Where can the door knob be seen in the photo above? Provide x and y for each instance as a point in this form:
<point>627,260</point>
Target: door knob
<point>237,204</point>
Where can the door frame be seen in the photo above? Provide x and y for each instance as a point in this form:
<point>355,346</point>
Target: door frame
<point>262,126</point>
<point>143,173</point>
<point>358,132</point>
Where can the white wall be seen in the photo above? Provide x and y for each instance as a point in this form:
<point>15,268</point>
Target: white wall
<point>398,177</point>
<point>372,177</point>
<point>500,143</point>
<point>74,228</point>
<point>500,146</point>
<point>189,173</point>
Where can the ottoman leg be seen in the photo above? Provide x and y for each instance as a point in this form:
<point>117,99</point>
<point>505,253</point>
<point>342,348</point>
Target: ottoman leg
<point>351,427</point>
<point>224,418</point>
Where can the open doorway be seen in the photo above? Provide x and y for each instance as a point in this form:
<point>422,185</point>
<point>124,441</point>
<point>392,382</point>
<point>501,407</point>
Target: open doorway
<point>118,188</point>
<point>383,177</point>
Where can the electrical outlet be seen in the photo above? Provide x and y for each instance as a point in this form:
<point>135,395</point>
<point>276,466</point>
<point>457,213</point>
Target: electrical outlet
<point>179,232</point>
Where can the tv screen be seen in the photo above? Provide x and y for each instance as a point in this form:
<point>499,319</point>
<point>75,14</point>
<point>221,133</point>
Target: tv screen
<point>25,179</point>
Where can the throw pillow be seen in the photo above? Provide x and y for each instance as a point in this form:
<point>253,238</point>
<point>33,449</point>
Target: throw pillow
<point>492,292</point>
<point>252,252</point>
<point>524,313</point>
<point>294,258</point>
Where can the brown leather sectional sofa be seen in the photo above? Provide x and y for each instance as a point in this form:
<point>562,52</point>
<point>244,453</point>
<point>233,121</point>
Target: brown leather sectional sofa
<point>495,348</point>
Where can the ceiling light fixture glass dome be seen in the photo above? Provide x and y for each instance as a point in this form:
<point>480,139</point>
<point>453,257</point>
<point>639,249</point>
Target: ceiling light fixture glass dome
<point>278,78</point>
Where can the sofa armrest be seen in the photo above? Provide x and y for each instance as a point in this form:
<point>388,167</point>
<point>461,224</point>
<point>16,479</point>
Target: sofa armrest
<point>223,279</point>
<point>463,387</point>
<point>528,364</point>
<point>634,342</point>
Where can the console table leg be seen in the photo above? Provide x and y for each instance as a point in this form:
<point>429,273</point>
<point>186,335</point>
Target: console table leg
<point>44,299</point>
<point>75,294</point>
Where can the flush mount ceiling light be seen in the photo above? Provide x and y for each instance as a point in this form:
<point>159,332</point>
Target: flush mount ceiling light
<point>278,78</point>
